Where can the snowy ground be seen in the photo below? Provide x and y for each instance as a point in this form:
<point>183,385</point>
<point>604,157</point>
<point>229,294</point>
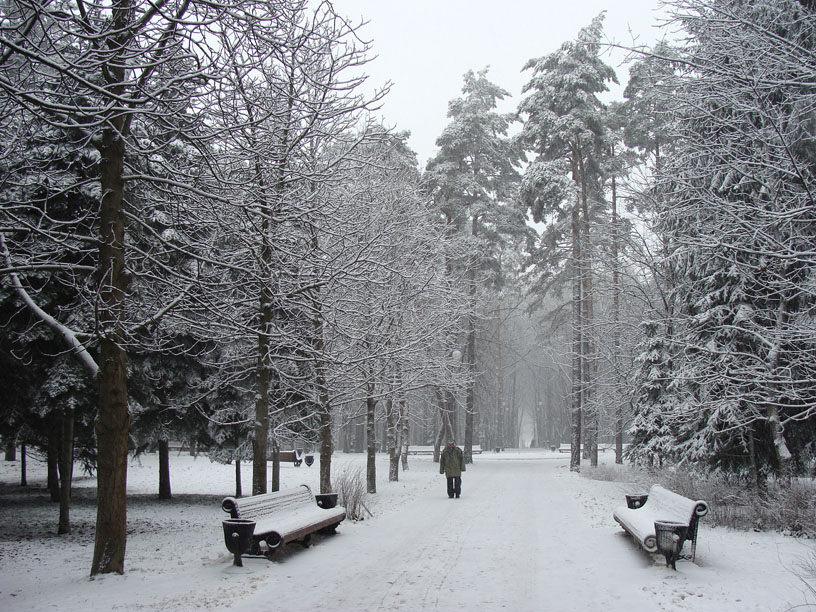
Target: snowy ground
<point>526,535</point>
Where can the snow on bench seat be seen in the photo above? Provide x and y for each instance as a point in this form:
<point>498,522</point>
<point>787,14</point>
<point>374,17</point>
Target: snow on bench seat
<point>661,505</point>
<point>284,516</point>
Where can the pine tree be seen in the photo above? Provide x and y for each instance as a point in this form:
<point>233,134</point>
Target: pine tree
<point>737,204</point>
<point>564,128</point>
<point>474,177</point>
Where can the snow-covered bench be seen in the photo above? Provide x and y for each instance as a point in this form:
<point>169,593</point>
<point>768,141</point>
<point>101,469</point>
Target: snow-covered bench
<point>639,515</point>
<point>293,456</point>
<point>429,450</point>
<point>283,516</point>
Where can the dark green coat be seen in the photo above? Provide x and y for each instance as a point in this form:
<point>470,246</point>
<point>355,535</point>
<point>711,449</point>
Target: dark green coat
<point>452,461</point>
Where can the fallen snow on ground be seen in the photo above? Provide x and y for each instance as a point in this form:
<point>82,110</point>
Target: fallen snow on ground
<point>526,535</point>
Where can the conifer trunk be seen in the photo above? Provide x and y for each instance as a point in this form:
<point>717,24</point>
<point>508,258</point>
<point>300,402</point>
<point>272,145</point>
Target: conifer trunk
<point>164,470</point>
<point>23,467</point>
<point>616,323</point>
<point>588,349</point>
<point>52,454</point>
<point>66,470</point>
<point>576,378</point>
<point>113,418</point>
<point>238,488</point>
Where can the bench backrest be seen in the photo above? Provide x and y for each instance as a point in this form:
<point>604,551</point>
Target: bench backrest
<point>258,506</point>
<point>675,506</point>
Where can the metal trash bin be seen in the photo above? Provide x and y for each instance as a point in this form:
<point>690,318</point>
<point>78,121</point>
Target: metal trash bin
<point>636,500</point>
<point>670,537</point>
<point>238,537</point>
<point>326,500</point>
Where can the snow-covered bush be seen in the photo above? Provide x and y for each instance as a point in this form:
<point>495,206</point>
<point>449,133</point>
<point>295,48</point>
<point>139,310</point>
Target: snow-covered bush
<point>350,486</point>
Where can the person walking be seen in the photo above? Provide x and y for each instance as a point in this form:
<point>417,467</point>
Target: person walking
<point>452,464</point>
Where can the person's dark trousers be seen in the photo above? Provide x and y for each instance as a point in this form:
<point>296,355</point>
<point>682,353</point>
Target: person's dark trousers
<point>454,486</point>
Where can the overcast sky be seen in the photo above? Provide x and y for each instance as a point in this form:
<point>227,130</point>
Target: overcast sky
<point>425,46</point>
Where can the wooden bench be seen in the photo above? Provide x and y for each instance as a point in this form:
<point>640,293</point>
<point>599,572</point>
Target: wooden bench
<point>639,515</point>
<point>567,448</point>
<point>293,456</point>
<point>421,450</point>
<point>291,515</point>
<point>428,450</point>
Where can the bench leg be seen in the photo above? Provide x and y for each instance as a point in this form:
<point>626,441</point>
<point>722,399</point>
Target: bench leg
<point>693,537</point>
<point>307,540</point>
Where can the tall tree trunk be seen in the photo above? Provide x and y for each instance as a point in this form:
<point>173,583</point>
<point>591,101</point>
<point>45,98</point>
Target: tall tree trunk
<point>113,419</point>
<point>66,470</point>
<point>52,455</point>
<point>11,450</point>
<point>782,454</point>
<point>470,400</point>
<point>591,412</point>
<point>576,377</point>
<point>164,470</point>
<point>260,441</point>
<point>238,488</point>
<point>514,416</point>
<point>500,405</point>
<point>275,464</point>
<point>470,395</point>
<point>616,325</point>
<point>392,439</point>
<point>323,408</point>
<point>23,467</point>
<point>404,434</point>
<point>443,432</point>
<point>371,440</point>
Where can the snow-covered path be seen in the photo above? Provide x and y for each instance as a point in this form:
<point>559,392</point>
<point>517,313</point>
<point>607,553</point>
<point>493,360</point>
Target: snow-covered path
<point>527,535</point>
<point>509,543</point>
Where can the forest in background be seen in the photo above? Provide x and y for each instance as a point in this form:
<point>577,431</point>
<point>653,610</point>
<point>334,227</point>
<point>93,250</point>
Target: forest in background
<point>206,239</point>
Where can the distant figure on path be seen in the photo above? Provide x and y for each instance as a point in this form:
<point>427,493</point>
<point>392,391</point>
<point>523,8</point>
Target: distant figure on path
<point>452,464</point>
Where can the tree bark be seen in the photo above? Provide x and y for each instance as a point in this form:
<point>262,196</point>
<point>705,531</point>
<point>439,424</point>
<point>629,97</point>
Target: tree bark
<point>470,396</point>
<point>325,446</point>
<point>576,392</point>
<point>11,450</point>
<point>616,290</point>
<point>260,441</point>
<point>238,488</point>
<point>52,455</point>
<point>500,405</point>
<point>404,434</point>
<point>324,408</point>
<point>275,465</point>
<point>371,441</point>
<point>164,470</point>
<point>781,451</point>
<point>392,439</point>
<point>443,426</point>
<point>23,467</point>
<point>113,419</point>
<point>588,352</point>
<point>66,470</point>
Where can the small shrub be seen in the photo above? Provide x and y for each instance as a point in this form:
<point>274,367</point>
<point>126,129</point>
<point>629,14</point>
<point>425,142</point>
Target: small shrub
<point>350,486</point>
